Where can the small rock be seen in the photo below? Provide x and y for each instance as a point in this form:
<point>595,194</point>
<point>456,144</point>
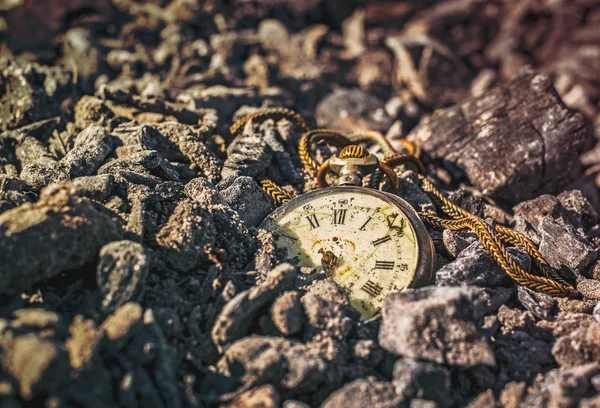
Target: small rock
<point>82,346</point>
<point>438,324</point>
<point>578,347</point>
<point>287,313</point>
<point>484,400</point>
<point>247,155</point>
<point>147,162</point>
<point>61,231</point>
<point>249,200</point>
<point>37,365</point>
<point>121,273</point>
<point>579,208</point>
<point>420,379</point>
<point>40,174</point>
<point>560,246</point>
<point>596,312</point>
<point>562,387</point>
<point>284,363</point>
<point>512,394</point>
<point>120,326</point>
<point>238,314</point>
<point>327,308</point>
<point>475,266</point>
<point>36,92</point>
<point>91,147</point>
<point>352,110</point>
<point>410,191</point>
<point>187,235</point>
<point>589,288</point>
<point>97,188</point>
<point>37,319</point>
<point>540,304</point>
<point>265,396</point>
<point>203,191</point>
<point>454,243</point>
<point>364,393</point>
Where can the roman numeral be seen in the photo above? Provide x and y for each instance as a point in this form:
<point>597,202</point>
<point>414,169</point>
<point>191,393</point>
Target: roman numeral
<point>313,221</point>
<point>371,288</point>
<point>384,265</point>
<point>365,224</point>
<point>381,240</point>
<point>339,216</point>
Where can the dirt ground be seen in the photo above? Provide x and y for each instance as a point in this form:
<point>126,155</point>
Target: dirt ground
<point>132,269</point>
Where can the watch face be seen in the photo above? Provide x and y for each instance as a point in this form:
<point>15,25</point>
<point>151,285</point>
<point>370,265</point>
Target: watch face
<point>369,242</point>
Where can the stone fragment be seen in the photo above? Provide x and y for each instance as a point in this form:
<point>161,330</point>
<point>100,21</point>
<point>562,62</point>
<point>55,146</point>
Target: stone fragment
<point>247,155</point>
<point>147,162</point>
<point>475,266</point>
<point>120,326</point>
<point>487,137</point>
<point>410,191</point>
<point>364,393</point>
<point>41,173</point>
<point>187,236</point>
<point>188,144</point>
<point>581,346</point>
<point>540,304</point>
<point>287,313</point>
<point>512,394</point>
<point>121,273</point>
<point>560,246</point>
<point>98,188</point>
<point>91,147</point>
<point>90,110</point>
<point>204,192</point>
<point>352,110</point>
<point>239,313</point>
<point>36,92</point>
<point>163,373</point>
<point>37,319</point>
<point>438,324</point>
<point>265,396</point>
<point>59,232</point>
<point>484,400</point>
<point>454,243</point>
<point>596,312</point>
<point>589,288</point>
<point>413,378</point>
<point>246,197</point>
<point>562,387</point>
<point>327,308</point>
<point>287,364</point>
<point>82,345</point>
<point>579,209</point>
<point>36,364</point>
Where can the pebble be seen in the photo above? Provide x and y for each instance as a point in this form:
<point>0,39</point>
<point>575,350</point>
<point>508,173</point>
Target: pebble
<point>437,324</point>
<point>238,314</point>
<point>121,273</point>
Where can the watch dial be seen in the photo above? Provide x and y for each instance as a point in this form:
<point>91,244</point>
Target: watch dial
<point>365,243</point>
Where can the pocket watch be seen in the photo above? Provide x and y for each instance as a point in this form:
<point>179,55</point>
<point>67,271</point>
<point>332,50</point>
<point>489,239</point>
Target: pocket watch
<point>370,242</point>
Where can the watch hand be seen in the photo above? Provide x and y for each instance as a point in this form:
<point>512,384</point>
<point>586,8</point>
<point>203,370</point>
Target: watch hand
<point>328,261</point>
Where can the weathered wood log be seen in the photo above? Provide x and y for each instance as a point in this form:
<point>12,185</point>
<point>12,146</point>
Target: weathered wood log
<point>515,142</point>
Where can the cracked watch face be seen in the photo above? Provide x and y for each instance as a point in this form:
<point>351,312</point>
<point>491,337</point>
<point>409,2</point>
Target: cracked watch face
<point>370,242</point>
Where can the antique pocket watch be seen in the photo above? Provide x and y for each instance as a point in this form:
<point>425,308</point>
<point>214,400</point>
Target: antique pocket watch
<point>370,242</point>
